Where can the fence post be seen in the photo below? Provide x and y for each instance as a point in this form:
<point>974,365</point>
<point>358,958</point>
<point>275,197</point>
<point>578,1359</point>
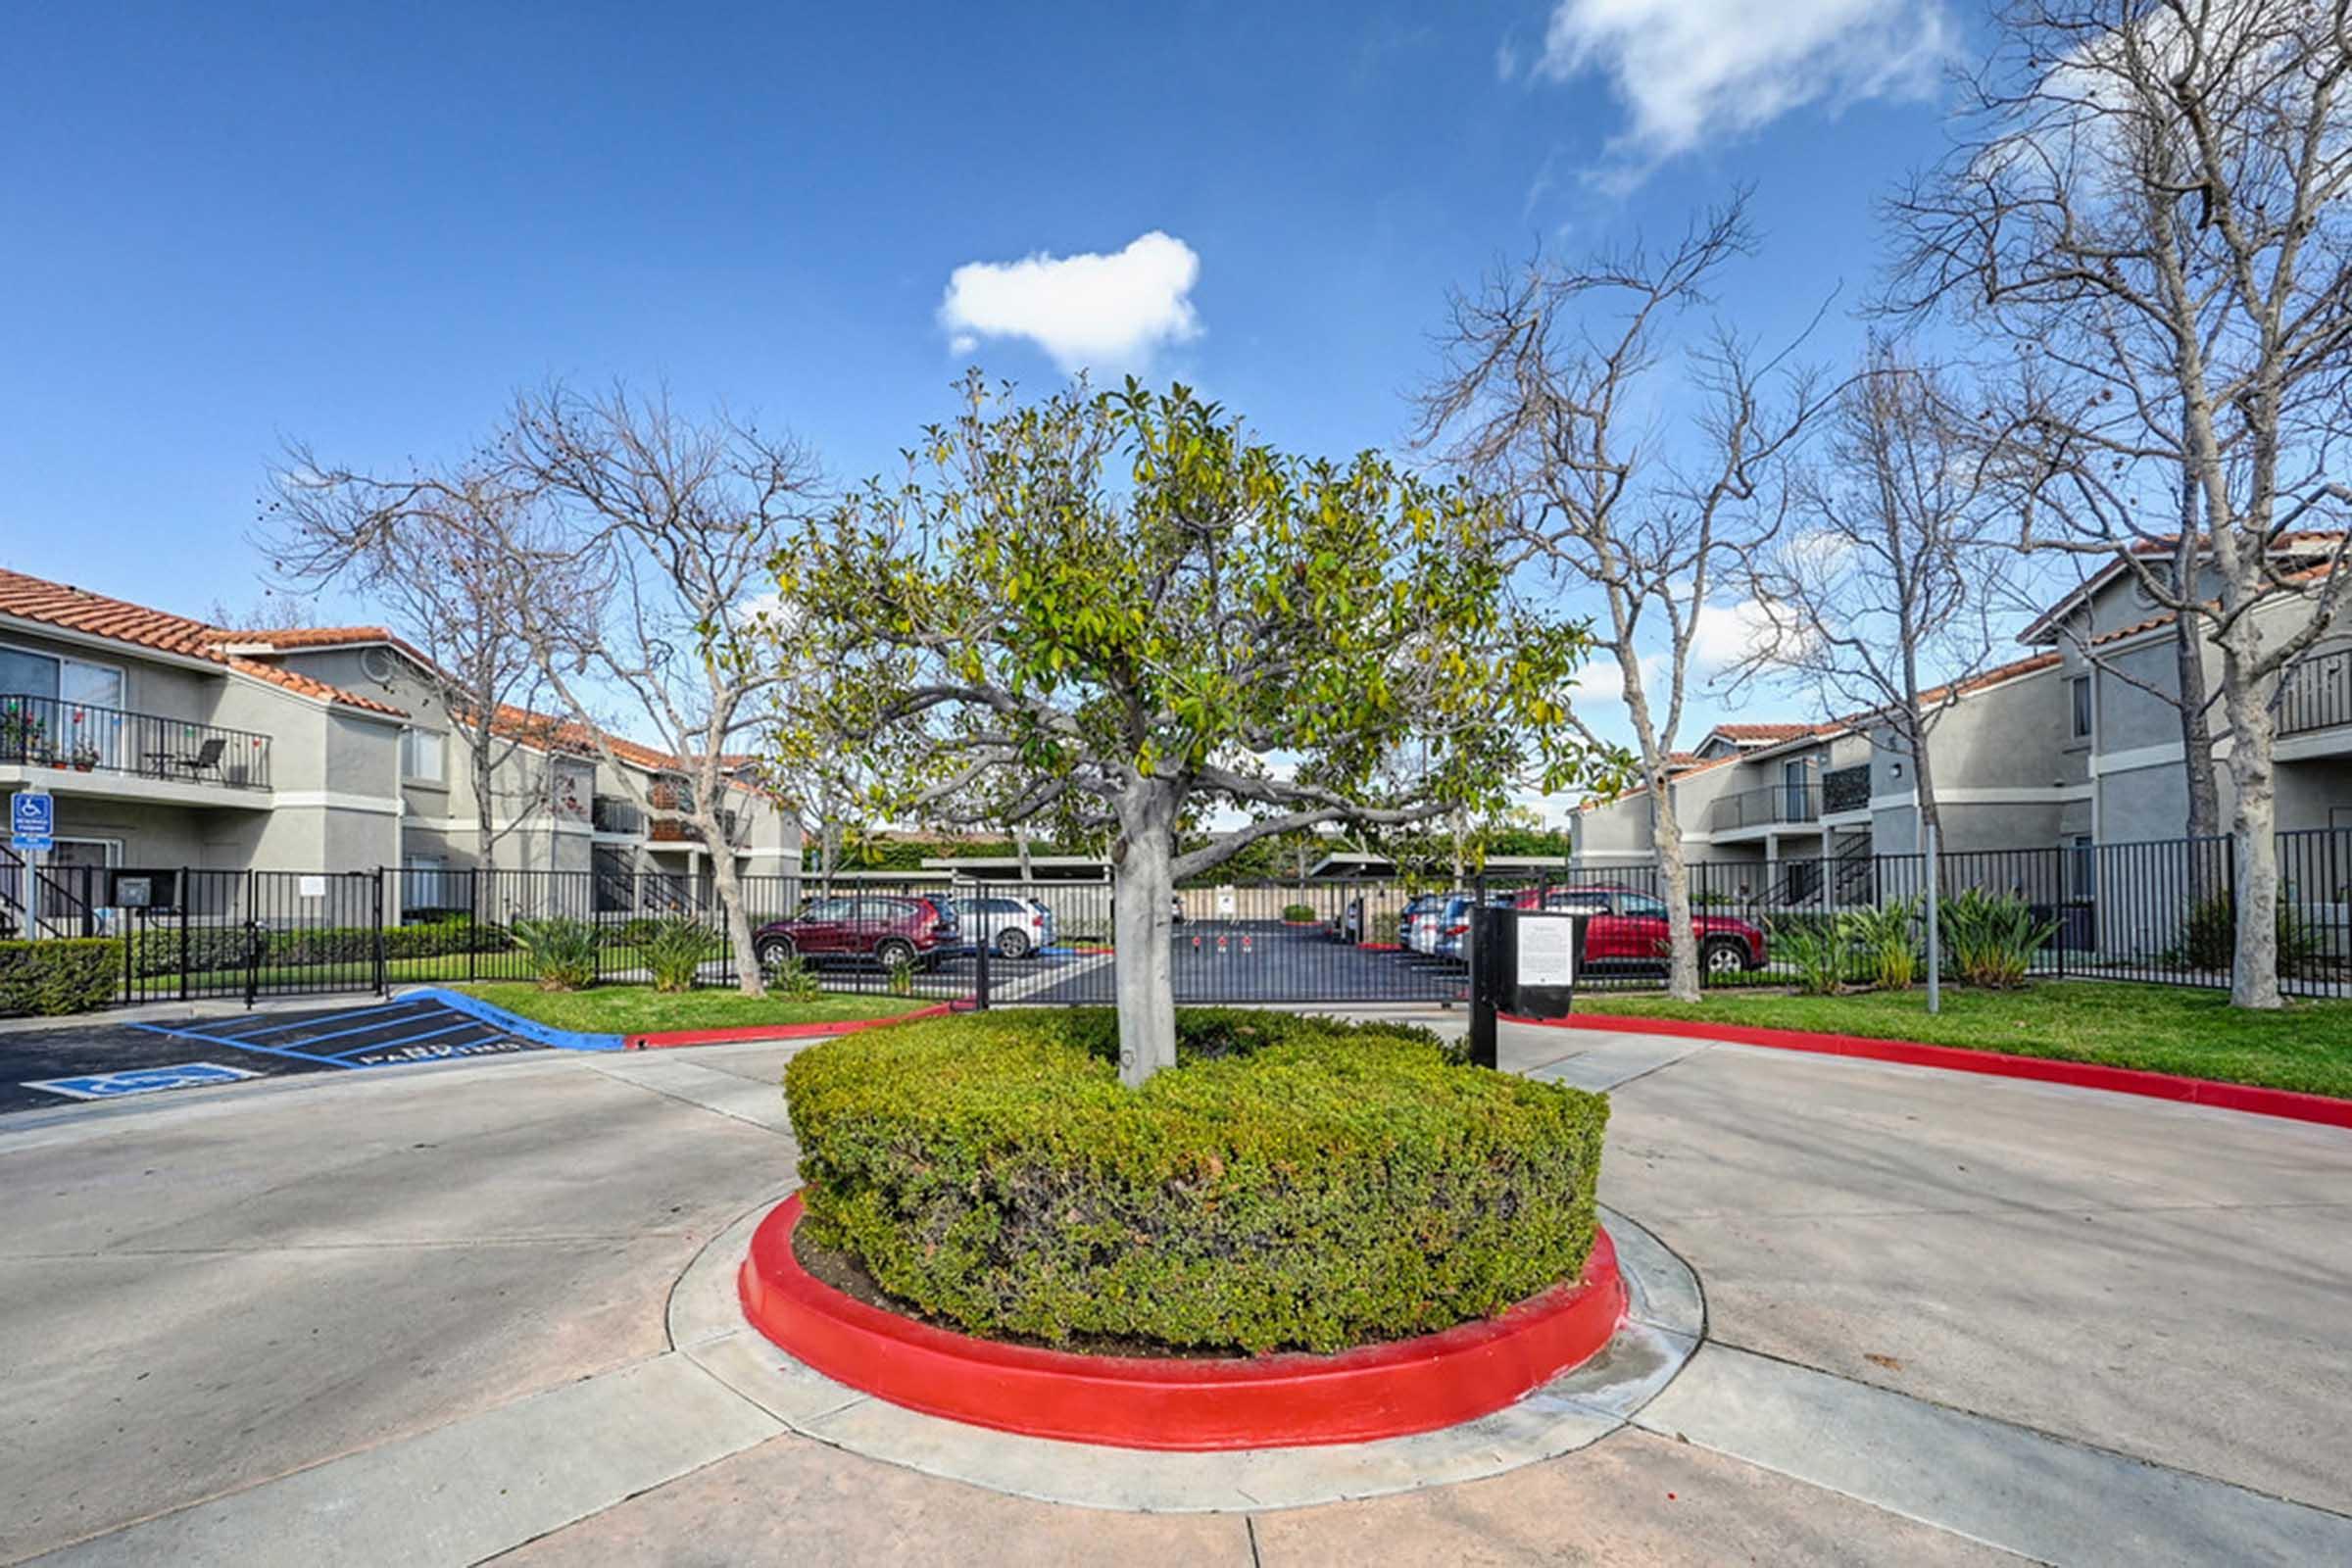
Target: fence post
<point>474,918</point>
<point>186,889</point>
<point>253,938</point>
<point>980,947</point>
<point>1934,934</point>
<point>376,926</point>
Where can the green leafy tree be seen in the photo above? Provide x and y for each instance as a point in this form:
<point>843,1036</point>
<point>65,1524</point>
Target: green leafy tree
<point>1117,616</point>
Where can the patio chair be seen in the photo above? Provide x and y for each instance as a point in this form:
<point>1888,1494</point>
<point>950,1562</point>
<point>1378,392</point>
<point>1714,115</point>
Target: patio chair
<point>205,758</point>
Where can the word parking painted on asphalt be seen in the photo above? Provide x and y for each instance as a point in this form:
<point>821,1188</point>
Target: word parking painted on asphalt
<point>142,1080</point>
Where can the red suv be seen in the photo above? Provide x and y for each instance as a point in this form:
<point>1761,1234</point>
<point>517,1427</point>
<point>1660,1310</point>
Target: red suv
<point>1630,927</point>
<point>891,931</point>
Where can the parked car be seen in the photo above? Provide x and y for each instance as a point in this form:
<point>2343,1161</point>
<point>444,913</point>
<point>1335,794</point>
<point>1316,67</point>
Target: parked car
<point>1420,907</point>
<point>1448,917</point>
<point>1453,928</point>
<point>1013,928</point>
<point>1630,927</point>
<point>888,930</point>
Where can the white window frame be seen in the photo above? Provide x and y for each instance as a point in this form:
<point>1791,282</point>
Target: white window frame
<point>413,736</point>
<point>2082,708</point>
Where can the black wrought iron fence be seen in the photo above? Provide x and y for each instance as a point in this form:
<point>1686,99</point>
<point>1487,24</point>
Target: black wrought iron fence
<point>2164,912</point>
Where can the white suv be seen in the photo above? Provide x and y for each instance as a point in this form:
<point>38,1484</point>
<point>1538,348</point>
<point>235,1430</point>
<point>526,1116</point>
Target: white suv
<point>1014,928</point>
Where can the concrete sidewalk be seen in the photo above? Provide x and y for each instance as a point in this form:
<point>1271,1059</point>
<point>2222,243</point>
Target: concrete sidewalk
<point>422,1318</point>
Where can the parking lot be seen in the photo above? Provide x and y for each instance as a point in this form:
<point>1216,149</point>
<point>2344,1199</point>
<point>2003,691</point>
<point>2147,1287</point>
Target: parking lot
<point>1246,961</point>
<point>114,1060</point>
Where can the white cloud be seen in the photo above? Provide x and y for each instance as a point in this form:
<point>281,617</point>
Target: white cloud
<point>1087,310</point>
<point>1692,71</point>
<point>1728,635</point>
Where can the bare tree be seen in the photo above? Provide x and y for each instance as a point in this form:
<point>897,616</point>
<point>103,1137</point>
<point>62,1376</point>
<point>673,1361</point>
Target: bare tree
<point>443,552</point>
<point>680,519</point>
<point>2151,195</point>
<point>1546,396</point>
<point>1880,589</point>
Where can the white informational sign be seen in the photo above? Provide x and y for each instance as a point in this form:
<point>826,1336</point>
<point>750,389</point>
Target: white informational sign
<point>1225,903</point>
<point>1546,950</point>
<point>313,887</point>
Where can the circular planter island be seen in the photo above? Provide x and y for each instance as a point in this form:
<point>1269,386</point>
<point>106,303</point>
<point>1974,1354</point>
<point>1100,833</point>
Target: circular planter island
<point>1307,1233</point>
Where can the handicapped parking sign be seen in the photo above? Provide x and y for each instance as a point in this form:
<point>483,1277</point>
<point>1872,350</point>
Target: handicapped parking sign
<point>32,820</point>
<point>142,1080</point>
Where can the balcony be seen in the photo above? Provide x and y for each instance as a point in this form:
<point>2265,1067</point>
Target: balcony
<point>2315,693</point>
<point>1845,789</point>
<point>84,738</point>
<point>671,830</point>
<point>1777,805</point>
<point>613,814</point>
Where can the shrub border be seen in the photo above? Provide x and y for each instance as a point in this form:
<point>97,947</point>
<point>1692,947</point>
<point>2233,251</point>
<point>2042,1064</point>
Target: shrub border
<point>2289,1104</point>
<point>1180,1403</point>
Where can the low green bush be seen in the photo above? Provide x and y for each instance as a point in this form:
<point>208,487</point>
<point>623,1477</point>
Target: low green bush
<point>1884,941</point>
<point>1814,952</point>
<point>1292,1183</point>
<point>155,948</point>
<point>674,953</point>
<point>1990,939</point>
<point>44,979</point>
<point>2209,939</point>
<point>1302,913</point>
<point>561,953</point>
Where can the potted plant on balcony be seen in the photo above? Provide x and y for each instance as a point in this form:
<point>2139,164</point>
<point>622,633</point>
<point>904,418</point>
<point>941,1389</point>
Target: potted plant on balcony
<point>85,757</point>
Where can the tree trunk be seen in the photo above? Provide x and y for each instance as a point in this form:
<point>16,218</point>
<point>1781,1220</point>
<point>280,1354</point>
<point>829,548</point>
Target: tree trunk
<point>1682,940</point>
<point>484,810</point>
<point>729,892</point>
<point>1923,779</point>
<point>1142,883</point>
<point>2254,971</point>
<point>2188,659</point>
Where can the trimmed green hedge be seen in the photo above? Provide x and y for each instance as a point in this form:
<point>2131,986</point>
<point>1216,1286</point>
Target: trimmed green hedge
<point>42,979</point>
<point>1293,1183</point>
<point>156,950</point>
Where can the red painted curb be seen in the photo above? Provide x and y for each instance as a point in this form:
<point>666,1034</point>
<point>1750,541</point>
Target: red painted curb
<point>779,1031</point>
<point>2287,1104</point>
<point>1382,1391</point>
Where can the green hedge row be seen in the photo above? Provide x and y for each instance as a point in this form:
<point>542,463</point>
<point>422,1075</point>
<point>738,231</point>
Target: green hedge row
<point>1293,1183</point>
<point>157,950</point>
<point>41,979</point>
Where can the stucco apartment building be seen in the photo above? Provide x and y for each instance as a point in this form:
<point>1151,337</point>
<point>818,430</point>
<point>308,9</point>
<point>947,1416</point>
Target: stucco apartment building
<point>168,743</point>
<point>2120,673</point>
<point>1799,800</point>
<point>2072,747</point>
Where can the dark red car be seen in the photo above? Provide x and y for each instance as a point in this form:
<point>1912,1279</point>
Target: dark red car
<point>1630,927</point>
<point>889,930</point>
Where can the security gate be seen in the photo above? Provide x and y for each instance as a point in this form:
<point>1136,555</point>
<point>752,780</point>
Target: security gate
<point>193,934</point>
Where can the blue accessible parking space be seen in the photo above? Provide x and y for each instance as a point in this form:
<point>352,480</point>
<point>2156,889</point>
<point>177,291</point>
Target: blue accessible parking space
<point>113,1061</point>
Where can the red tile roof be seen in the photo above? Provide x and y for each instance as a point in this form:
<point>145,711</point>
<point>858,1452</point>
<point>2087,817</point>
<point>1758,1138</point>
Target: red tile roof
<point>72,609</point>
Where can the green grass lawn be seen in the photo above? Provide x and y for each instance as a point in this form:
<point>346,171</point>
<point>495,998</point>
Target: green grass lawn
<point>641,1009</point>
<point>2172,1029</point>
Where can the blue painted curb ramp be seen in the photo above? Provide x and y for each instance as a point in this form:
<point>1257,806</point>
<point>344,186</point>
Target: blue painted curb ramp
<point>514,1024</point>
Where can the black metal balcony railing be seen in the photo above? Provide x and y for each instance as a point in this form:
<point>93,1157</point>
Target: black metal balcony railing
<point>1775,803</point>
<point>84,738</point>
<point>2315,693</point>
<point>1845,789</point>
<point>611,814</point>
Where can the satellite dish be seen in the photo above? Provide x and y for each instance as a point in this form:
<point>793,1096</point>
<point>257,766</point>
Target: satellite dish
<point>380,667</point>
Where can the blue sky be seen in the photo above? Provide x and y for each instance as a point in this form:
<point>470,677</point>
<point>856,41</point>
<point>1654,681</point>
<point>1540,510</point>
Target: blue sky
<point>230,224</point>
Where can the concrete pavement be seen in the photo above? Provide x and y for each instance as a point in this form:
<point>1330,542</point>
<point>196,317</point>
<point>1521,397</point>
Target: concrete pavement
<point>422,1316</point>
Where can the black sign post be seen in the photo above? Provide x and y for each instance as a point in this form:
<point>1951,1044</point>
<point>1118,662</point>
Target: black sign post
<point>1523,962</point>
